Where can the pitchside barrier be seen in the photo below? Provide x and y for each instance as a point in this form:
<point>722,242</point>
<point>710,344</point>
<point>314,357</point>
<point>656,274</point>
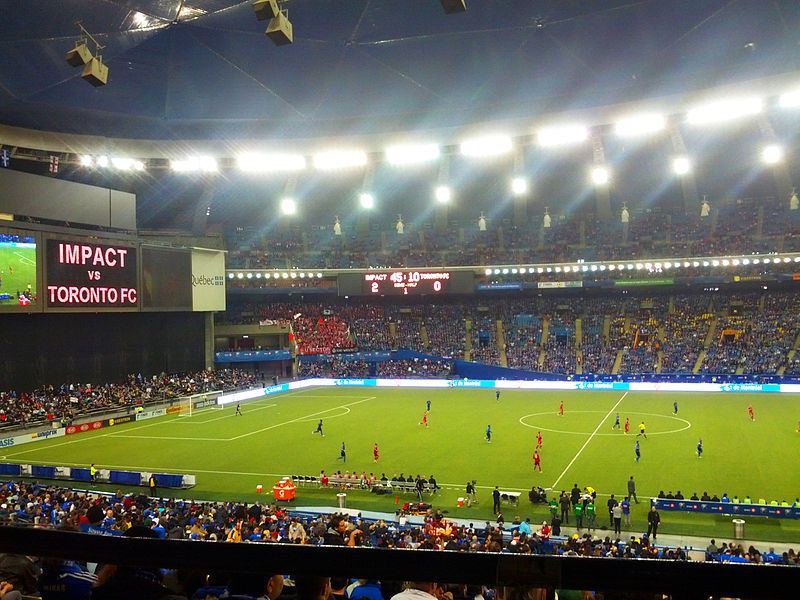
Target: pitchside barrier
<point>760,509</point>
<point>136,478</point>
<point>497,384</point>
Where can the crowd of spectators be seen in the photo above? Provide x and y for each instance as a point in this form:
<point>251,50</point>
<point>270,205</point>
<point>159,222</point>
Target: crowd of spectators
<point>338,367</point>
<point>732,226</point>
<point>135,515</point>
<point>69,401</point>
<point>754,333</point>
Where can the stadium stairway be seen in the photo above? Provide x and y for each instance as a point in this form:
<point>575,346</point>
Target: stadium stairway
<point>698,364</point>
<point>468,339</point>
<point>618,361</point>
<point>712,330</point>
<point>501,343</point>
<point>545,335</point>
<point>423,334</point>
<point>393,334</point>
<point>579,346</point>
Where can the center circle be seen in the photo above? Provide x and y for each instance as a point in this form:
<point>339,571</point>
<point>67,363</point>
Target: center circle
<point>524,418</point>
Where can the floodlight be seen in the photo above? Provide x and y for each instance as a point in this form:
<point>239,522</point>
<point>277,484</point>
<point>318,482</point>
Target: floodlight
<point>562,135</point>
<point>102,161</point>
<point>600,176</point>
<point>127,164</point>
<point>724,110</point>
<point>772,154</point>
<point>366,200</point>
<point>681,165</point>
<point>640,125</point>
<point>490,145</point>
<point>443,194</point>
<point>410,154</point>
<point>230,275</point>
<point>206,164</point>
<point>240,275</point>
<point>270,163</point>
<point>86,161</point>
<point>789,99</point>
<point>96,72</point>
<point>288,206</point>
<point>339,159</point>
<point>519,186</point>
<point>487,271</point>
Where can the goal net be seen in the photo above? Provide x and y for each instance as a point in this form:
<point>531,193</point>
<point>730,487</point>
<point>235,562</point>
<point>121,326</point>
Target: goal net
<point>205,401</point>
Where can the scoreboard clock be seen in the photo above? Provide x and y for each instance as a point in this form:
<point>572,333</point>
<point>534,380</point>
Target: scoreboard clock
<point>417,283</point>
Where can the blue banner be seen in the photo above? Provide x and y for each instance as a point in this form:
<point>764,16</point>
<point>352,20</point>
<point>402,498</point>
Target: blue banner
<point>729,508</point>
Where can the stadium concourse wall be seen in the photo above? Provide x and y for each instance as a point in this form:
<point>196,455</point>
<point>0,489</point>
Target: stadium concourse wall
<point>621,386</point>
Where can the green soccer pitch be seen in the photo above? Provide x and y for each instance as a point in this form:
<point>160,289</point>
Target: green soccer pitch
<point>17,271</point>
<point>231,455</point>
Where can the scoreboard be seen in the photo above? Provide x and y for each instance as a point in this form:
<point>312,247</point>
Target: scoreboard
<point>80,274</point>
<point>398,282</point>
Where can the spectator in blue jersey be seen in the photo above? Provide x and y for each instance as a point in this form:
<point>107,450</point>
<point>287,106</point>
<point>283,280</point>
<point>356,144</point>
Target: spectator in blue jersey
<point>65,580</point>
<point>367,589</point>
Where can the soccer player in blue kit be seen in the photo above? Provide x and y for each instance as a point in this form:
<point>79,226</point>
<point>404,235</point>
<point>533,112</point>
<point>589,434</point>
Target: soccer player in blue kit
<point>489,433</point>
<point>700,448</point>
<point>637,451</point>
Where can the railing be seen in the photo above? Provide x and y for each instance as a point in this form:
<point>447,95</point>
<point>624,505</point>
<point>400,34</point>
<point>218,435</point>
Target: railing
<point>683,580</point>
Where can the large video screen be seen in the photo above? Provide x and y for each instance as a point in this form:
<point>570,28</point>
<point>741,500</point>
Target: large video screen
<point>82,274</point>
<point>166,279</point>
<point>18,277</point>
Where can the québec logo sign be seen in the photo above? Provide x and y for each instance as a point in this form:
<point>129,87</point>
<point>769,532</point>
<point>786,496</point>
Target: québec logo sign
<point>209,280</point>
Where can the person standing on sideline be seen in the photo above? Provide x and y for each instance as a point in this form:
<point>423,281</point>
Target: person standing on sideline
<point>153,482</point>
<point>470,491</point>
<point>653,520</point>
<point>565,505</point>
<point>632,489</point>
<point>93,472</point>
<point>496,500</point>
<point>637,451</point>
<point>625,505</point>
<point>612,502</point>
<point>616,513</point>
<point>489,433</point>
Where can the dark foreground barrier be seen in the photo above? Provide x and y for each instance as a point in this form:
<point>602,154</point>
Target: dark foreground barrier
<point>682,580</point>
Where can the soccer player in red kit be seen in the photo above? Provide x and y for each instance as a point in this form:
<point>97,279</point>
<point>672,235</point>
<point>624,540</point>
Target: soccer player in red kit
<point>424,419</point>
<point>538,439</point>
<point>537,461</point>
<point>561,409</point>
<point>627,425</point>
<point>751,413</point>
<point>375,452</point>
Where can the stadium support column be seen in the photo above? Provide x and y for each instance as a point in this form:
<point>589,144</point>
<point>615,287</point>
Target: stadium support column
<point>208,340</point>
<point>780,170</point>
<point>602,195</point>
<point>691,199</point>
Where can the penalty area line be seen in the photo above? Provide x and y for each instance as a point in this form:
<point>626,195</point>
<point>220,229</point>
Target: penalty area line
<point>586,443</point>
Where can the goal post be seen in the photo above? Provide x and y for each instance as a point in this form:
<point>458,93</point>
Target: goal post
<point>189,404</point>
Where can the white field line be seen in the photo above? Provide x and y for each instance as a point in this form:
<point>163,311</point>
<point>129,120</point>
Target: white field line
<point>316,414</point>
<point>157,421</point>
<point>24,258</point>
<point>586,443</point>
<point>248,411</point>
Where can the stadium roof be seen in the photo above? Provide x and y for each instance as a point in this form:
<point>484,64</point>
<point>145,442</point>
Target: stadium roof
<point>203,69</point>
